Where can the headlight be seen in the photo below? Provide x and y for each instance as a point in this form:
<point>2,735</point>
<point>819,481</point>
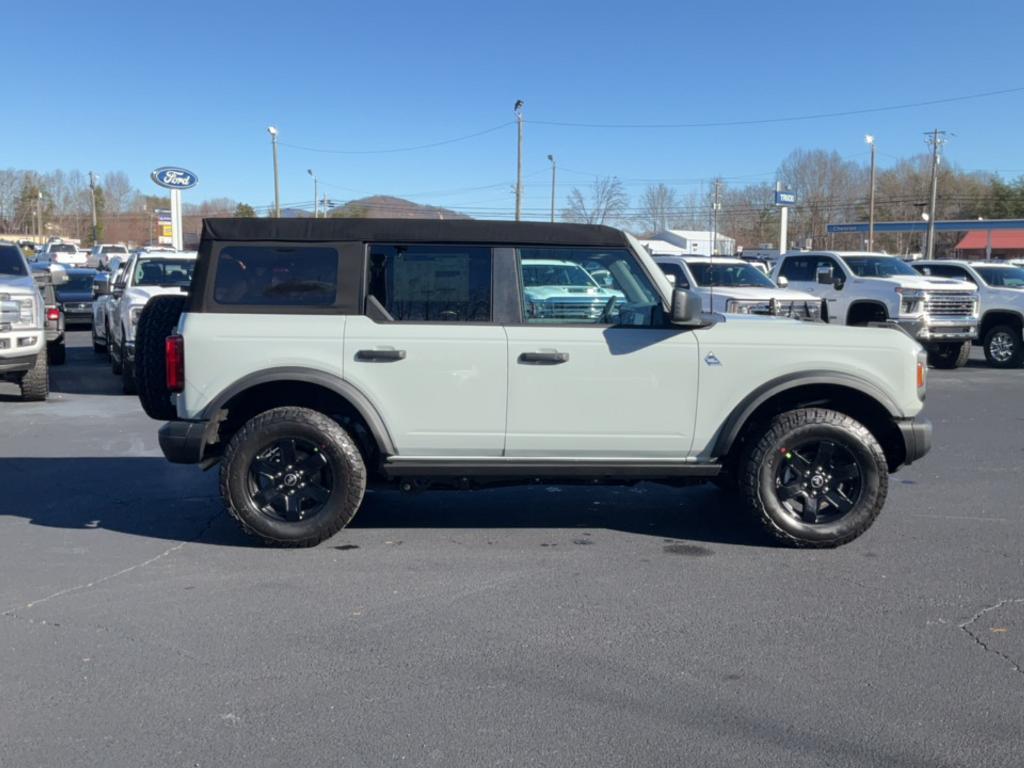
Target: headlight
<point>734,307</point>
<point>911,301</point>
<point>26,312</point>
<point>136,314</point>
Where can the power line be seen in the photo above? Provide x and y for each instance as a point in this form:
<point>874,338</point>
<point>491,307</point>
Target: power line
<point>790,119</point>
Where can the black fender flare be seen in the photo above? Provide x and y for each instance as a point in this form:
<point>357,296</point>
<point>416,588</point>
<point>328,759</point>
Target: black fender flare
<point>363,405</point>
<point>741,413</point>
<point>865,302</point>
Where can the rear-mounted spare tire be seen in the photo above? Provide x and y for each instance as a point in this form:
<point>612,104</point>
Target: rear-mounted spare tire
<point>159,320</point>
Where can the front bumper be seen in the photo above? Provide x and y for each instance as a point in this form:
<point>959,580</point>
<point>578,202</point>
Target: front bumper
<point>924,328</point>
<point>16,345</point>
<point>917,437</point>
<point>184,442</point>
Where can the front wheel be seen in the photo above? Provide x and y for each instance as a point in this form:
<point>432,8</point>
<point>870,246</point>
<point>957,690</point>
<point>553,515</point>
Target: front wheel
<point>1003,347</point>
<point>292,476</point>
<point>814,478</point>
<point>949,355</point>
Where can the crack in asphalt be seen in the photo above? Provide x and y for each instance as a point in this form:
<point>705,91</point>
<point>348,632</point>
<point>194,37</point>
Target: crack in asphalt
<point>966,628</point>
<point>95,582</point>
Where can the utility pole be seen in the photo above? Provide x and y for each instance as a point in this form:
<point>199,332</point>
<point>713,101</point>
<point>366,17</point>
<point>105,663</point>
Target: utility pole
<point>92,194</point>
<point>552,159</point>
<point>277,183</point>
<point>714,218</point>
<point>518,109</point>
<point>39,216</point>
<point>871,204</point>
<point>316,194</point>
<point>936,140</point>
<point>783,222</point>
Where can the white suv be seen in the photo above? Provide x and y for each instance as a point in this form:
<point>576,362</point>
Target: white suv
<point>313,357</point>
<point>147,274</point>
<point>1001,293</point>
<point>736,286</point>
<point>870,288</point>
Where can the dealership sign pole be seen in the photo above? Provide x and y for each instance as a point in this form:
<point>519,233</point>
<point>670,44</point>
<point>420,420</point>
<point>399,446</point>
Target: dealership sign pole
<point>175,179</point>
<point>783,200</point>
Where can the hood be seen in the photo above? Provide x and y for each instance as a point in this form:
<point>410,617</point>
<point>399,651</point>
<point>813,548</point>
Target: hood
<point>140,294</point>
<point>20,285</point>
<point>759,294</point>
<point>920,283</point>
<point>569,293</point>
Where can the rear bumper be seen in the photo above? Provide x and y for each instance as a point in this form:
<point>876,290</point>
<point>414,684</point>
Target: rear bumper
<point>184,442</point>
<point>917,437</point>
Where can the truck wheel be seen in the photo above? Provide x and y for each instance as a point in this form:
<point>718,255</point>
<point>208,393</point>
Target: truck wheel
<point>35,382</point>
<point>97,347</point>
<point>949,355</point>
<point>292,476</point>
<point>814,478</point>
<point>158,321</point>
<point>57,353</point>
<point>116,363</point>
<point>1003,347</point>
<point>127,374</point>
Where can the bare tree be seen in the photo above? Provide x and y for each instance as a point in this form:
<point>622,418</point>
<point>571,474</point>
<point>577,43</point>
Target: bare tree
<point>10,186</point>
<point>658,207</point>
<point>607,202</point>
<point>827,188</point>
<point>119,191</point>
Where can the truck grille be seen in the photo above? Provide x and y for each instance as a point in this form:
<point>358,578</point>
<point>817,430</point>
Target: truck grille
<point>584,309</point>
<point>950,304</point>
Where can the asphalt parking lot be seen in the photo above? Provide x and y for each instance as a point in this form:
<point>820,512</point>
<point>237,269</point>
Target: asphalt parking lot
<point>542,626</point>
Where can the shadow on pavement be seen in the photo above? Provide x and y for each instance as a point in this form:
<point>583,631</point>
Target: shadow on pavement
<point>147,496</point>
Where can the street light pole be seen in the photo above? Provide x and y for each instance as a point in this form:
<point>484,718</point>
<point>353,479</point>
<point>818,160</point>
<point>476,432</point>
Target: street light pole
<point>92,194</point>
<point>518,109</point>
<point>553,166</point>
<point>316,194</point>
<point>277,183</point>
<point>39,216</point>
<point>936,141</point>
<point>871,204</point>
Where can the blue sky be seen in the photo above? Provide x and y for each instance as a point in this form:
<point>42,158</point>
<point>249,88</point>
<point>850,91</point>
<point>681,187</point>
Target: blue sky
<point>132,86</point>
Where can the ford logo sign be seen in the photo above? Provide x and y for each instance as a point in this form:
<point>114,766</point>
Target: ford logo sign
<point>174,178</point>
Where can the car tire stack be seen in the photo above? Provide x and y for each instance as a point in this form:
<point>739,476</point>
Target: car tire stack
<point>158,321</point>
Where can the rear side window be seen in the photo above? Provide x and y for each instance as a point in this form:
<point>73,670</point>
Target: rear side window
<point>676,271</point>
<point>11,262</point>
<point>432,283</point>
<point>276,276</point>
<point>799,269</point>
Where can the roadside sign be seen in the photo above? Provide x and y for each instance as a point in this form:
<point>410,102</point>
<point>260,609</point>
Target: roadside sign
<point>174,178</point>
<point>785,198</point>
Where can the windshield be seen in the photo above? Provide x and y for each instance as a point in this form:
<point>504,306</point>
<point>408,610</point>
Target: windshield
<point>1002,277</point>
<point>878,266</point>
<point>62,248</point>
<point>11,262</point>
<point>728,275</point>
<point>555,273</point>
<point>163,272</point>
<point>113,249</point>
<point>78,283</point>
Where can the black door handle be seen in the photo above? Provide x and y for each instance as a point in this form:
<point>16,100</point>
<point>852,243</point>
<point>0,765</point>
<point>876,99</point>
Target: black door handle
<point>544,358</point>
<point>380,355</point>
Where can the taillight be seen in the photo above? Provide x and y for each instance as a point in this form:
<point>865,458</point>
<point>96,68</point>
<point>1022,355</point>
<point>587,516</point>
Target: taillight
<point>174,354</point>
<point>53,314</point>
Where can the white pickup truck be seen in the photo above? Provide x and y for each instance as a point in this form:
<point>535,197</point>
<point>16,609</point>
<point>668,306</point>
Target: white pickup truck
<point>863,288</point>
<point>66,254</point>
<point>1001,294</point>
<point>22,326</point>
<point>735,286</point>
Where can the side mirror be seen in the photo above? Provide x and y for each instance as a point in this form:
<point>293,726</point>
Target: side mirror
<point>825,276</point>
<point>839,282</point>
<point>101,285</point>
<point>686,307</point>
<point>782,282</point>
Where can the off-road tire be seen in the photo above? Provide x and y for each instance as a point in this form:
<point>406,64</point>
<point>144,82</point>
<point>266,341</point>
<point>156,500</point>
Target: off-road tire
<point>115,364</point>
<point>35,382</point>
<point>949,355</point>
<point>345,462</point>
<point>128,386</point>
<point>760,461</point>
<point>159,320</point>
<point>57,354</point>
<point>1017,355</point>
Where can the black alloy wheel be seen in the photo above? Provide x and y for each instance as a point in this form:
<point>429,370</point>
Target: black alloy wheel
<point>290,480</point>
<point>818,481</point>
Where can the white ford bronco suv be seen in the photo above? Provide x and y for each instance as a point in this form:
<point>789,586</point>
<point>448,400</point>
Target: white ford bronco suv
<point>23,358</point>
<point>870,288</point>
<point>314,356</point>
<point>736,286</point>
<point>1001,295</point>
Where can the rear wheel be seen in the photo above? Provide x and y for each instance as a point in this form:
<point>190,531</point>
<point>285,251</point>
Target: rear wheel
<point>292,476</point>
<point>116,356</point>
<point>127,370</point>
<point>814,478</point>
<point>1003,347</point>
<point>158,321</point>
<point>97,347</point>
<point>35,382</point>
<point>949,354</point>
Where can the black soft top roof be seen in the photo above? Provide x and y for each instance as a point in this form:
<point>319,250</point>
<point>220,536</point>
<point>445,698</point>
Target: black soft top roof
<point>413,231</point>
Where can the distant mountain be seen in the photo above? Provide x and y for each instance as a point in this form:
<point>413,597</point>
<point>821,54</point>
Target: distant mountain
<point>388,207</point>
